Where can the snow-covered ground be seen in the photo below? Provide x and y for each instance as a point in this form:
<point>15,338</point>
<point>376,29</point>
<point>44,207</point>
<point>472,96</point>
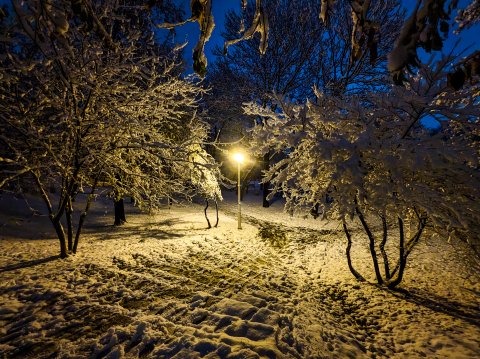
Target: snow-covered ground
<point>165,286</point>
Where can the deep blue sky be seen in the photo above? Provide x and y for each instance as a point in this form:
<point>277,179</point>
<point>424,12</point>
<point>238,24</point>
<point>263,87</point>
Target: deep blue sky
<point>190,32</point>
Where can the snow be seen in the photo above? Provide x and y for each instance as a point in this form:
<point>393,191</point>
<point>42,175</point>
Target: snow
<point>165,286</point>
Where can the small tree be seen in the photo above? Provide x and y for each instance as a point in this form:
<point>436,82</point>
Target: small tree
<point>87,99</point>
<point>376,160</point>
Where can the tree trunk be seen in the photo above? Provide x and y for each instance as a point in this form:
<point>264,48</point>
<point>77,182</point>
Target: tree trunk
<point>266,185</point>
<point>54,217</point>
<point>216,212</point>
<point>382,249</point>
<point>79,230</point>
<point>372,245</point>
<point>402,257</point>
<point>68,215</point>
<point>314,210</point>
<point>61,237</point>
<point>206,216</point>
<point>119,212</point>
<point>83,216</point>
<point>347,252</point>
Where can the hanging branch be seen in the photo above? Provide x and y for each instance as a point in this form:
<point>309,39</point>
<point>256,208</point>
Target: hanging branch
<point>364,32</point>
<point>259,24</point>
<point>201,13</point>
<point>325,9</point>
<point>420,30</point>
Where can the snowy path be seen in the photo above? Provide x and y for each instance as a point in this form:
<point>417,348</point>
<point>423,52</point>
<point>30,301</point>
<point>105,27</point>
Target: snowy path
<point>164,286</point>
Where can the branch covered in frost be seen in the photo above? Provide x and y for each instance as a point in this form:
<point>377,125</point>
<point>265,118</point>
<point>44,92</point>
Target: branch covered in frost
<point>201,13</point>
<point>259,25</point>
<point>469,16</point>
<point>427,27</point>
<point>344,155</point>
<point>76,111</point>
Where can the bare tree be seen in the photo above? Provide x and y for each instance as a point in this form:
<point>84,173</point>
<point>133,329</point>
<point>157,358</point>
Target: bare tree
<point>340,72</point>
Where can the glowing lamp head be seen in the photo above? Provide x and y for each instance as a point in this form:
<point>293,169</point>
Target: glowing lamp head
<point>238,157</point>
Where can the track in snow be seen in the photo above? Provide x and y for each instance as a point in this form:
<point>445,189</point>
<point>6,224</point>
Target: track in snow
<point>165,287</point>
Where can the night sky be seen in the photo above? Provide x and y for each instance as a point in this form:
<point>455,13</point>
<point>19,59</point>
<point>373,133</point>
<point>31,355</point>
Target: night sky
<point>190,32</point>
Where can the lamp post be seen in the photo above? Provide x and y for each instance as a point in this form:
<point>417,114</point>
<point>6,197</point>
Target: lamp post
<point>239,158</point>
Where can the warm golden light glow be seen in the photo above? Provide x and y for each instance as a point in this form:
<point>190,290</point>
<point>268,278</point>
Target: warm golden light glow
<point>238,157</point>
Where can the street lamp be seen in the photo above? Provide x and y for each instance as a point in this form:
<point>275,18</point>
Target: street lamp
<point>239,158</point>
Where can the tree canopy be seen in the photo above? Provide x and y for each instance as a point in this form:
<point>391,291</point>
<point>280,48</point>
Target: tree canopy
<point>90,99</point>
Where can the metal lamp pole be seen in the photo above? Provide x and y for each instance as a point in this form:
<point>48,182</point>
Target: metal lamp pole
<point>239,203</point>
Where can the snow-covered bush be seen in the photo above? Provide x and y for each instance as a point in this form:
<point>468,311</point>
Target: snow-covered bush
<point>378,163</point>
<point>87,100</point>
